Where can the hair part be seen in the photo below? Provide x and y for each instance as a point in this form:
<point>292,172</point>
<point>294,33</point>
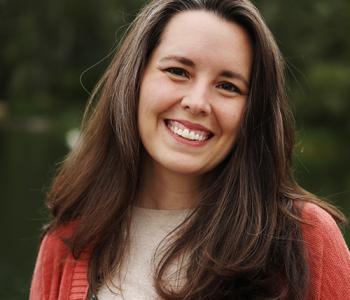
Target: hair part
<point>243,239</point>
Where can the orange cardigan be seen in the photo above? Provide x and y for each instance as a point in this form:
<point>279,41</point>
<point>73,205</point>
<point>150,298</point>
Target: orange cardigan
<point>58,276</point>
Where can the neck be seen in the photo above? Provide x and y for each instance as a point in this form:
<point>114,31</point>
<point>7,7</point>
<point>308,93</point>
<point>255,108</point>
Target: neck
<point>161,188</point>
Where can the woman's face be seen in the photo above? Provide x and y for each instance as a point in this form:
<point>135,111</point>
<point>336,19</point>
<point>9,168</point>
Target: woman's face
<point>193,92</point>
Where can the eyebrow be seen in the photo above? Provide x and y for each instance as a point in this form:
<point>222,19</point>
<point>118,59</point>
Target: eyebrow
<point>181,59</point>
<point>187,62</point>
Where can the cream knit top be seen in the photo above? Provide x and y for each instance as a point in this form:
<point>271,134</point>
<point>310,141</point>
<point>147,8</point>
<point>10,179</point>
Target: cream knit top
<point>148,228</point>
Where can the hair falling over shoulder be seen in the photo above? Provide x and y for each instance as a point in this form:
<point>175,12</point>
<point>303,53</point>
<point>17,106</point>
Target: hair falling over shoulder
<point>243,241</point>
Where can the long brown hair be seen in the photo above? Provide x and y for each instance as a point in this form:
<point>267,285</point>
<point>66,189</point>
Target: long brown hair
<point>243,240</point>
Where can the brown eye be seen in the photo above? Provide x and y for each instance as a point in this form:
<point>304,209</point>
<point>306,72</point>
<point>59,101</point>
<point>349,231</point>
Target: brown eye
<point>229,87</point>
<point>177,72</point>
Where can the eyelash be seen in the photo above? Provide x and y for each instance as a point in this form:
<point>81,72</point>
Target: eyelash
<point>175,72</point>
<point>232,88</point>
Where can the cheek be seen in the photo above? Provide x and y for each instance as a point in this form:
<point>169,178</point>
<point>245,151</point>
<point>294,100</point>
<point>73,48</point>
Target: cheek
<point>156,96</point>
<point>229,117</point>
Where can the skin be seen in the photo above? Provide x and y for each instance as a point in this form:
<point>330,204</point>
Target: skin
<point>199,73</point>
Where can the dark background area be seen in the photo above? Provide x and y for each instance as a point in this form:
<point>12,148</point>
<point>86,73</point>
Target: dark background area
<point>53,52</point>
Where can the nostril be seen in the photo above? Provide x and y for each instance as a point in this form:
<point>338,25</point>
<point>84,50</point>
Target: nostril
<point>197,107</point>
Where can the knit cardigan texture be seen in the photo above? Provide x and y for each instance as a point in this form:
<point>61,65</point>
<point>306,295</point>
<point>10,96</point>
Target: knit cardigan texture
<point>59,276</point>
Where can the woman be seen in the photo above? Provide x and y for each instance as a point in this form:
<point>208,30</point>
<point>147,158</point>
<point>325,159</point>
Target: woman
<point>181,185</point>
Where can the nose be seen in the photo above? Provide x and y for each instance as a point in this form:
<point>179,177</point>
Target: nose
<point>196,100</point>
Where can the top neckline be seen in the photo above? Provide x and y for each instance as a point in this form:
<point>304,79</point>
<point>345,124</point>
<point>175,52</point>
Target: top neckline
<point>154,211</point>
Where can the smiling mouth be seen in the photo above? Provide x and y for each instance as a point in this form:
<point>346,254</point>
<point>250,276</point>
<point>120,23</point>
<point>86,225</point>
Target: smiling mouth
<point>189,134</point>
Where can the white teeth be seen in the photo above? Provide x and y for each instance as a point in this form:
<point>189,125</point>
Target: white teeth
<point>188,134</point>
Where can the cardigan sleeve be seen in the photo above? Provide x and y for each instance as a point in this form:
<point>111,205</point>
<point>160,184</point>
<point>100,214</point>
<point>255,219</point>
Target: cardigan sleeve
<point>327,254</point>
<point>52,262</point>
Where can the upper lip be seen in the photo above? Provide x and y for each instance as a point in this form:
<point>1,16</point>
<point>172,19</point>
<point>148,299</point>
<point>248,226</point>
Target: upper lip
<point>193,126</point>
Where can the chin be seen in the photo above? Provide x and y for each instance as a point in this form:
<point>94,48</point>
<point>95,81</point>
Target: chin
<point>185,168</point>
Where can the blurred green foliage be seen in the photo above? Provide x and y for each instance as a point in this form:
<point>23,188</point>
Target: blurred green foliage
<point>47,45</point>
<point>53,52</point>
<point>313,36</point>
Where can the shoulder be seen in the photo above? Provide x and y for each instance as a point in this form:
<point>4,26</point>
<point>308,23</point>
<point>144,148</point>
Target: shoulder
<point>319,227</point>
<point>59,234</point>
<point>327,254</point>
<point>321,232</point>
<point>53,243</point>
<point>313,213</point>
<point>54,258</point>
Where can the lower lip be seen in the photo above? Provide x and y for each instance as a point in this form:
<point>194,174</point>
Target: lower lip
<point>182,140</point>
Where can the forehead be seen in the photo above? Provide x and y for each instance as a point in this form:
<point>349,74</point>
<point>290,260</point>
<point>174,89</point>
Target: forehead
<point>207,39</point>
